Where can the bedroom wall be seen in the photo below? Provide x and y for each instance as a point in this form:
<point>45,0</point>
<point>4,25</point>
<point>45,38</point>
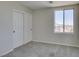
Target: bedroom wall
<point>43,27</point>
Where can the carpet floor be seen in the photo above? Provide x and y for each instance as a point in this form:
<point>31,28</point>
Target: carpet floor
<point>37,49</point>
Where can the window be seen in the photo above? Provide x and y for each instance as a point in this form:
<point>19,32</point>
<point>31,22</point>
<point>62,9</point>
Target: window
<point>64,21</point>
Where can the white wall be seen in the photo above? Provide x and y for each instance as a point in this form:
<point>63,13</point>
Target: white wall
<point>43,27</point>
<point>6,24</point>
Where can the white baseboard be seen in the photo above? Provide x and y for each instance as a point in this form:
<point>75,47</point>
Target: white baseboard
<point>23,44</point>
<point>57,43</point>
<point>27,42</point>
<point>6,52</point>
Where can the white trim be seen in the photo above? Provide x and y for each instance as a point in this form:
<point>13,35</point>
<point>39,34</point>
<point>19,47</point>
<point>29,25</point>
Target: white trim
<point>20,11</point>
<point>27,42</point>
<point>6,52</point>
<point>56,43</point>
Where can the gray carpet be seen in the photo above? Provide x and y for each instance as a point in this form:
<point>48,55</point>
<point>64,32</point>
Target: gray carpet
<point>36,49</point>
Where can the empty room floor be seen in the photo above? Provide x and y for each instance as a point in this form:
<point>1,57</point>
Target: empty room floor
<point>37,49</point>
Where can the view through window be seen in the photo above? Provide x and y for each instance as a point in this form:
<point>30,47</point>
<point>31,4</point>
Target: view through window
<point>64,20</point>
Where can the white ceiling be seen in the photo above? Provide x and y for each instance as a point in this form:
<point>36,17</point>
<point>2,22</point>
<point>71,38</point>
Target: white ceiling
<point>43,4</point>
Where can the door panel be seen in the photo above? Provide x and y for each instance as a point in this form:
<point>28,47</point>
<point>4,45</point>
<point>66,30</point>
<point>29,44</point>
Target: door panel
<point>17,29</point>
<point>27,27</point>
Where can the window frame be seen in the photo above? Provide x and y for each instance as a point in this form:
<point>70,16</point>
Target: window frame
<point>64,20</point>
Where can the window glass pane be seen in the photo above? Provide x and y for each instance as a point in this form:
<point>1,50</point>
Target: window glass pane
<point>59,21</point>
<point>68,20</point>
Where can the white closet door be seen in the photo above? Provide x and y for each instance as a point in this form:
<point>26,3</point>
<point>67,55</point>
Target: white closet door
<point>27,27</point>
<point>17,29</point>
